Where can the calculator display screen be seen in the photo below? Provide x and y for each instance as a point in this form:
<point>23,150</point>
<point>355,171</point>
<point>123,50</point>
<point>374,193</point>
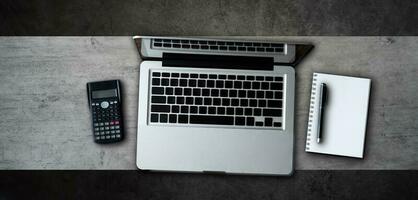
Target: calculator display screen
<point>103,93</point>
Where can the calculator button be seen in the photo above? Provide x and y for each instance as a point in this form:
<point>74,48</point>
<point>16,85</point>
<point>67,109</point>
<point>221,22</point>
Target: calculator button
<point>106,123</point>
<point>117,131</point>
<point>107,132</point>
<point>112,127</point>
<point>101,128</point>
<point>113,137</point>
<point>111,123</point>
<point>104,104</point>
<point>116,122</point>
<point>107,137</point>
<point>112,132</point>
<point>96,124</point>
<point>97,138</point>
<point>96,129</point>
<point>106,128</point>
<point>117,127</point>
<point>101,124</point>
<point>118,136</point>
<point>102,132</point>
<point>102,137</point>
<point>96,133</point>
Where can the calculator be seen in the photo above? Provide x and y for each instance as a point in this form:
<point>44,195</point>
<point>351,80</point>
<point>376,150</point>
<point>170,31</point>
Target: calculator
<point>105,104</point>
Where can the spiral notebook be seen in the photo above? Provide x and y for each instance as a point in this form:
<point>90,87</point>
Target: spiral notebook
<point>345,115</point>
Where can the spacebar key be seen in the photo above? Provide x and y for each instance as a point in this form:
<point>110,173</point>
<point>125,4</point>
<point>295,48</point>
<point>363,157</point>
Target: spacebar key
<point>207,119</point>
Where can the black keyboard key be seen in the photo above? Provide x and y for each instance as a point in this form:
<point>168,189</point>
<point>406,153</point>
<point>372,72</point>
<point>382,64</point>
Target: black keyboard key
<point>262,103</point>
<point>154,117</point>
<point>276,86</point>
<point>223,48</point>
<point>204,47</point>
<point>277,124</point>
<point>192,83</point>
<point>175,109</point>
<point>157,90</point>
<point>155,81</point>
<point>171,100</point>
<point>247,85</point>
<point>157,44</point>
<point>237,84</point>
<point>259,78</point>
<point>212,110</point>
<point>169,91</point>
<point>208,119</point>
<point>176,46</point>
<point>203,76</point>
<point>232,48</point>
<point>244,102</point>
<point>234,102</point>
<point>174,82</point>
<point>194,76</point>
<point>207,101</point>
<point>165,82</point>
<point>270,49</point>
<point>212,42</point>
<point>265,85</point>
<point>250,121</point>
<point>228,84</point>
<point>253,103</point>
<point>210,83</point>
<point>183,82</point>
<point>214,47</point>
<point>178,91</point>
<point>239,111</point>
<point>256,85</point>
<point>221,110</point>
<point>156,74</point>
<point>232,77</point>
<point>260,94</point>
<point>269,78</point>
<point>214,92</point>
<point>216,101</point>
<point>241,77</point>
<point>242,48</point>
<point>250,48</point>
<point>205,92</point>
<point>274,103</point>
<point>185,46</point>
<point>203,110</point>
<point>240,121</point>
<point>259,123</point>
<point>278,78</point>
<point>248,111</point>
<point>242,93</point>
<point>189,100</point>
<point>250,78</point>
<point>158,99</point>
<point>269,94</point>
<point>201,83</point>
<point>165,74</point>
<point>219,84</point>
<point>213,76</point>
<point>184,75</point>
<point>221,76</point>
<point>184,109</point>
<point>272,112</point>
<point>224,93</point>
<point>203,42</point>
<point>198,100</point>
<point>172,118</point>
<point>230,111</point>
<point>176,75</point>
<point>196,91</point>
<point>160,108</point>
<point>180,100</point>
<point>183,119</point>
<point>233,93</point>
<point>193,109</point>
<point>163,118</point>
<point>251,94</point>
<point>225,102</point>
<point>268,121</point>
<point>278,95</point>
<point>257,112</point>
<point>187,91</point>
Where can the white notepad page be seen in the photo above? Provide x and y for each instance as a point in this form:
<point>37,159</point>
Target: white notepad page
<point>345,115</point>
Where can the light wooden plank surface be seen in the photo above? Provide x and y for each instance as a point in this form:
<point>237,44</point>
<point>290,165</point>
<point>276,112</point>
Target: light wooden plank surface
<point>45,124</point>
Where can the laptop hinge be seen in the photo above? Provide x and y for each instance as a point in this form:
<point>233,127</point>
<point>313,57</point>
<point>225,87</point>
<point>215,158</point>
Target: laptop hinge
<point>217,61</point>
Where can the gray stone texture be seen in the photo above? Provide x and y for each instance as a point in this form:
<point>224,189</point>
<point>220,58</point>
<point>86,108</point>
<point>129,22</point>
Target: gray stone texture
<point>45,121</point>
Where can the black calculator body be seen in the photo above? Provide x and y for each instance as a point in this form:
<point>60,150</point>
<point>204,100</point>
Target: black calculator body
<point>105,104</point>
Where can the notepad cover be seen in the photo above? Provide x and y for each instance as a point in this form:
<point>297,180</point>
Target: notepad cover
<point>345,115</point>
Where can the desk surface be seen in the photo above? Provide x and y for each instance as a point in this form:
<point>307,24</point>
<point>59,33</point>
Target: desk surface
<point>45,122</point>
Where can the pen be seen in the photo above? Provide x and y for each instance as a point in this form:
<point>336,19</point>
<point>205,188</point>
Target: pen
<point>322,103</point>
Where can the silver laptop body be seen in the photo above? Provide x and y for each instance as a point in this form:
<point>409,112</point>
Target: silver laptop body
<point>215,105</point>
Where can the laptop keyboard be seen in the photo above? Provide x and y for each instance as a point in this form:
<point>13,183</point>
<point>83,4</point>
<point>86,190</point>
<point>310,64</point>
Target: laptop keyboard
<point>216,99</point>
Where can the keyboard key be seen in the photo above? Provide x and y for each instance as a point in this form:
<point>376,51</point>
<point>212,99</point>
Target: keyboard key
<point>228,84</point>
<point>250,121</point>
<point>259,78</point>
<point>272,112</point>
<point>196,91</point>
<point>203,76</point>
<point>193,109</point>
<point>232,77</point>
<point>212,110</point>
<point>276,86</point>
<point>189,100</point>
<point>256,85</point>
<point>187,91</point>
<point>192,83</point>
<point>154,117</point>
<point>240,121</point>
<point>237,84</point>
<point>253,103</point>
<point>269,94</point>
<point>178,91</point>
<point>233,93</point>
<point>184,75</point>
<point>183,119</point>
<point>198,100</point>
<point>221,76</point>
<point>205,92</point>
<point>278,78</point>
<point>242,93</point>
<point>244,102</point>
<point>163,118</point>
<point>250,78</point>
<point>262,103</point>
<point>277,124</point>
<point>158,99</point>
<point>183,82</point>
<point>257,112</point>
<point>213,76</point>
<point>230,111</point>
<point>172,118</point>
<point>165,74</point>
<point>219,84</point>
<point>208,119</point>
<point>157,90</point>
<point>180,100</point>
<point>176,75</point>
<point>155,81</point>
<point>247,85</point>
<point>260,94</point>
<point>207,101</point>
<point>216,101</point>
<point>269,78</point>
<point>251,94</point>
<point>214,92</point>
<point>203,110</point>
<point>184,109</point>
<point>171,100</point>
<point>201,83</point>
<point>274,103</point>
<point>265,85</point>
<point>165,82</point>
<point>169,91</point>
<point>234,102</point>
<point>278,95</point>
<point>175,109</point>
<point>241,77</point>
<point>224,93</point>
<point>268,121</point>
<point>194,76</point>
<point>156,74</point>
<point>210,83</point>
<point>221,110</point>
<point>160,108</point>
<point>174,82</point>
<point>259,123</point>
<point>248,111</point>
<point>225,102</point>
<point>239,111</point>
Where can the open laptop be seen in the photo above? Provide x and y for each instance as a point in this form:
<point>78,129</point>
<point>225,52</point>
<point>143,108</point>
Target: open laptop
<point>216,105</point>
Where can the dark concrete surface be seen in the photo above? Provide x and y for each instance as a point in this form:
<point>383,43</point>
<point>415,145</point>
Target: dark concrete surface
<point>142,185</point>
<point>204,17</point>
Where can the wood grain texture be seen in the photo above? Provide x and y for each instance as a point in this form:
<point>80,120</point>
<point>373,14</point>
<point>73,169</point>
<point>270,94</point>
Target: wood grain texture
<point>45,121</point>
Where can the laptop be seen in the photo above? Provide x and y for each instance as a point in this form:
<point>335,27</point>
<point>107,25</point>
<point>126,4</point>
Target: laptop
<point>216,105</point>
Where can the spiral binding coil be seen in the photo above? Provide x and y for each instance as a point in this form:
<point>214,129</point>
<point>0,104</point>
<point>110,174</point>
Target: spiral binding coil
<point>311,111</point>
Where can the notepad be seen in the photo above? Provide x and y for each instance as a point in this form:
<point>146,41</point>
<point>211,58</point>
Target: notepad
<point>345,115</point>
